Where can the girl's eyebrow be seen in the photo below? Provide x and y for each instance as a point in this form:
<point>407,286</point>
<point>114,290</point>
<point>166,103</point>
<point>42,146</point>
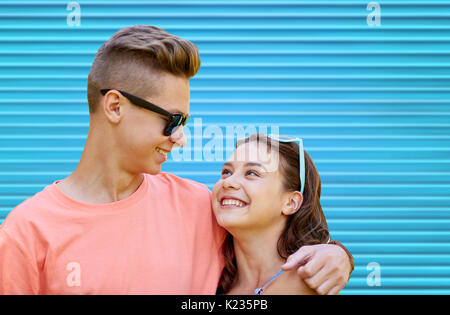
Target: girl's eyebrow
<point>256,164</point>
<point>229,164</point>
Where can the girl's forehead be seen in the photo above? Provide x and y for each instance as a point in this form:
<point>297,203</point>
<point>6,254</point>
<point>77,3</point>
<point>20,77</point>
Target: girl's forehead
<point>255,153</point>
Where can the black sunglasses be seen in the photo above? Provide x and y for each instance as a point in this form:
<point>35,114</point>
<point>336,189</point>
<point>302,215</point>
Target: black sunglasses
<point>174,120</point>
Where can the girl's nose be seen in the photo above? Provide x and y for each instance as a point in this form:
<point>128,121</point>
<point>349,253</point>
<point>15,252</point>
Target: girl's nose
<point>230,183</point>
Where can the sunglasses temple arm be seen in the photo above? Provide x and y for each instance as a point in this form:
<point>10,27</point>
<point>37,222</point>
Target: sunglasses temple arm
<point>301,156</point>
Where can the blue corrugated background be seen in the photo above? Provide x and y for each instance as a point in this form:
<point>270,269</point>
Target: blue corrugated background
<point>372,104</point>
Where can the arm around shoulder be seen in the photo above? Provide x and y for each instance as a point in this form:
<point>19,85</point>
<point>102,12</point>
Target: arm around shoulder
<point>350,256</point>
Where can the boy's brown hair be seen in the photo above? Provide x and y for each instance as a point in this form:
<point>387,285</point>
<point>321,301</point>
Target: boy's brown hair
<point>135,54</point>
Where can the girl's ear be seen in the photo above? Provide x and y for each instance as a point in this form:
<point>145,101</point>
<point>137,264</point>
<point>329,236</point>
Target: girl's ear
<point>293,203</point>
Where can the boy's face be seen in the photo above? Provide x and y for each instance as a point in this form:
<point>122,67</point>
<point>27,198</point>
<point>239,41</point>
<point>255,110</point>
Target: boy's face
<point>142,145</point>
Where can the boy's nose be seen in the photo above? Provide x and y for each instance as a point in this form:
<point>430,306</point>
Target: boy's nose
<point>178,138</point>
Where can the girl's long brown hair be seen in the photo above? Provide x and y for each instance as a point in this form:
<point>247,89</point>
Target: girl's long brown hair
<point>307,226</point>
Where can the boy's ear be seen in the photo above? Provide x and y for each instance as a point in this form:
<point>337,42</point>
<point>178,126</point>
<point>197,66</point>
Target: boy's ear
<point>294,201</point>
<point>112,107</point>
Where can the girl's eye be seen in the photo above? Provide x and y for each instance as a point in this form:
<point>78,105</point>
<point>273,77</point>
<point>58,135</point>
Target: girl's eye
<point>252,173</point>
<point>225,172</point>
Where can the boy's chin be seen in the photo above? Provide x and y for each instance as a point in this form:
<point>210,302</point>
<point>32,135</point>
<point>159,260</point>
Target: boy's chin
<point>153,169</point>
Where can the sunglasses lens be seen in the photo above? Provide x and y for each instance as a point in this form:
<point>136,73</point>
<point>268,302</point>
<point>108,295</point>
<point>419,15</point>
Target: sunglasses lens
<point>173,125</point>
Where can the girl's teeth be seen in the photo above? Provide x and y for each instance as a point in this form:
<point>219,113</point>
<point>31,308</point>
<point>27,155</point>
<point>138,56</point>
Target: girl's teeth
<point>232,202</point>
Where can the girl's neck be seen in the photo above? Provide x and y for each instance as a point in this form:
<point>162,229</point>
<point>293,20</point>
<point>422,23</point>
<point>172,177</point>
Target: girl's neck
<point>257,259</point>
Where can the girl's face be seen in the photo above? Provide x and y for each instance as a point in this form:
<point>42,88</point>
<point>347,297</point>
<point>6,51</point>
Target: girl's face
<point>250,193</point>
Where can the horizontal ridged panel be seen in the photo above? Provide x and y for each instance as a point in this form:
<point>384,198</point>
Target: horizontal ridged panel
<point>372,104</point>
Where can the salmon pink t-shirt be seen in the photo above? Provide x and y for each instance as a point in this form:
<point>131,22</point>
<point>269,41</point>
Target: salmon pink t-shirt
<point>162,239</point>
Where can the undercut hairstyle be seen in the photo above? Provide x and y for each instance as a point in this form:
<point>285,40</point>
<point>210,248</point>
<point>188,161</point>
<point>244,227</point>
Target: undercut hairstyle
<point>132,59</point>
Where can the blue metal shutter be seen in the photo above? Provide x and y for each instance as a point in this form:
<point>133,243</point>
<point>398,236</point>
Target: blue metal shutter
<point>371,102</point>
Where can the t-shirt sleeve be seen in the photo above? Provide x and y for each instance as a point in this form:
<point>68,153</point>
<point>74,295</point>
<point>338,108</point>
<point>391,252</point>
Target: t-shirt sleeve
<point>18,272</point>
